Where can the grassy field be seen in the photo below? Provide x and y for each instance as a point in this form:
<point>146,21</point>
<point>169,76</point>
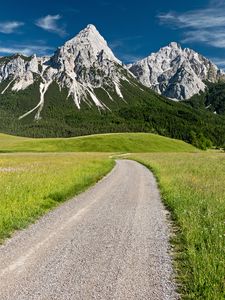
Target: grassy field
<point>124,142</point>
<point>192,186</point>
<point>32,184</point>
<point>191,183</point>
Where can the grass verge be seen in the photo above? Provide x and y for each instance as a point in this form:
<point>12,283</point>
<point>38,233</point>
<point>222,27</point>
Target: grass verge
<point>192,186</point>
<point>32,184</point>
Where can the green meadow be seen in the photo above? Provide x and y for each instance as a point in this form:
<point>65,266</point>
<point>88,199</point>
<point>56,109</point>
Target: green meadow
<point>38,174</point>
<point>49,171</point>
<point>117,142</point>
<point>32,184</point>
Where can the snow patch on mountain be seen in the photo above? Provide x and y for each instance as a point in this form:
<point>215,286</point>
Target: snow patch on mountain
<point>118,91</point>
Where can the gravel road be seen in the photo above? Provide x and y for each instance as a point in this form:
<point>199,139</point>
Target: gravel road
<point>110,242</point>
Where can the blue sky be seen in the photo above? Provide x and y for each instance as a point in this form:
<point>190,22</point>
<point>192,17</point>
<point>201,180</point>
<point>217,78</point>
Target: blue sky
<point>133,29</point>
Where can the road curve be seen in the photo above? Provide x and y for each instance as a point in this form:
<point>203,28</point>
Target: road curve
<point>110,242</point>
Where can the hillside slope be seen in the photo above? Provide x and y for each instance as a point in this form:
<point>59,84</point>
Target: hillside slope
<point>213,99</point>
<point>146,112</point>
<point>121,142</point>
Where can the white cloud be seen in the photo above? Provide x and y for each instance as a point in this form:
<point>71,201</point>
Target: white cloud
<point>219,61</point>
<point>130,58</point>
<point>116,44</point>
<point>199,19</point>
<point>49,23</point>
<point>217,2</point>
<point>26,49</point>
<point>122,47</point>
<point>122,42</point>
<point>206,26</point>
<point>10,26</point>
<point>211,38</point>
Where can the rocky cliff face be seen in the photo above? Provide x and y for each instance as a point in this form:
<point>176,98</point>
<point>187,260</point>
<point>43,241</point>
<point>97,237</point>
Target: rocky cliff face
<point>84,63</point>
<point>80,65</point>
<point>175,72</point>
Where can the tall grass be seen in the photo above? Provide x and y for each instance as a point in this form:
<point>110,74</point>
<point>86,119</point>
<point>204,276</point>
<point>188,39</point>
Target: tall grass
<point>193,187</point>
<point>31,184</point>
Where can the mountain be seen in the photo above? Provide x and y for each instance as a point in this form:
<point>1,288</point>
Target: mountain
<point>84,89</point>
<point>175,72</point>
<point>81,65</point>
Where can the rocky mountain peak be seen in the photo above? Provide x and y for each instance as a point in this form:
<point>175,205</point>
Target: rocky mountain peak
<point>85,63</point>
<point>174,45</point>
<point>90,45</point>
<point>175,72</point>
<point>81,65</point>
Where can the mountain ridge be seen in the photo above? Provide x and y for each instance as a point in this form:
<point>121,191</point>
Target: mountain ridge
<point>84,89</point>
<point>86,62</point>
<point>82,64</point>
<point>175,72</point>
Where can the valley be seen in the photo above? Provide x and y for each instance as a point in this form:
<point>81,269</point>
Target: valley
<point>112,173</point>
<point>84,89</point>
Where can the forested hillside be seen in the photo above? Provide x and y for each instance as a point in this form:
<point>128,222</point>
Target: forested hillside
<point>141,111</point>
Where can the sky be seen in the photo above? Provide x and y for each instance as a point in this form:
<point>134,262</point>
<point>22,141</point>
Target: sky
<point>133,29</point>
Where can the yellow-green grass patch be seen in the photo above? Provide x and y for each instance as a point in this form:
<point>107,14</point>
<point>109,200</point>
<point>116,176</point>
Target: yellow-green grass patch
<point>120,142</point>
<point>32,184</point>
<point>192,186</point>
